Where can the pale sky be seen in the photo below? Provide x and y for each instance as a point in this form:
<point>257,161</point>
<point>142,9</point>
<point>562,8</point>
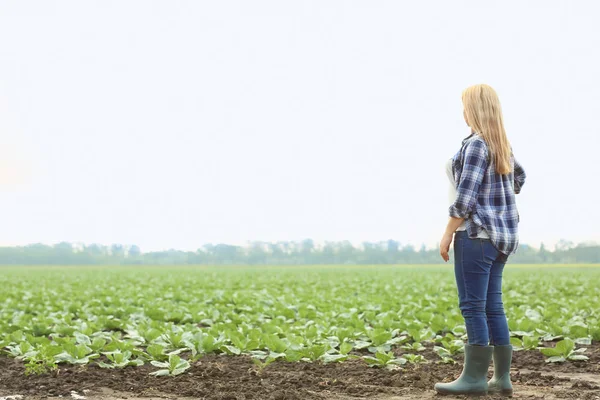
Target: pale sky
<point>171,124</point>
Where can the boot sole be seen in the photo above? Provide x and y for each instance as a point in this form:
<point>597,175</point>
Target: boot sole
<point>470,394</point>
<point>503,392</point>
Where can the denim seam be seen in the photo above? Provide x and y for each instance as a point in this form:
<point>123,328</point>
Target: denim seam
<point>482,251</point>
<point>462,275</point>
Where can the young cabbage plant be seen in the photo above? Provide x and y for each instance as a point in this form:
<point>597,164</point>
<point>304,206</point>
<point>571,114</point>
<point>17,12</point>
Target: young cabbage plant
<point>545,336</point>
<point>175,338</point>
<point>595,329</point>
<point>419,333</point>
<point>385,360</point>
<point>459,331</point>
<point>97,345</point>
<point>156,352</point>
<point>344,333</point>
<point>15,337</point>
<point>346,347</point>
<point>81,338</point>
<point>42,328</point>
<point>204,343</point>
<point>577,328</point>
<point>174,366</point>
<point>564,350</point>
<point>416,346</point>
<point>452,346</point>
<point>584,341</point>
<point>308,353</point>
<point>76,354</point>
<point>123,346</point>
<point>334,355</point>
<point>37,341</point>
<point>120,360</point>
<point>262,364</point>
<point>314,352</point>
<point>527,343</point>
<point>274,343</point>
<point>244,342</point>
<point>143,334</point>
<point>262,359</point>
<point>414,358</point>
<point>264,355</point>
<point>20,350</point>
<point>445,355</point>
<point>379,336</point>
<point>331,358</point>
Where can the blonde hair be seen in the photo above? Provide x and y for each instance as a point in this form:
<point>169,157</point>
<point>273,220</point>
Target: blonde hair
<point>484,116</point>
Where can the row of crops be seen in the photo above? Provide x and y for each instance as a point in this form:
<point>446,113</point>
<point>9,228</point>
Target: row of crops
<point>171,316</point>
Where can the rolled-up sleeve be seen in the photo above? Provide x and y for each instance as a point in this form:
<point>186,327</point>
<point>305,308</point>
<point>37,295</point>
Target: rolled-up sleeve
<point>520,177</point>
<point>475,163</point>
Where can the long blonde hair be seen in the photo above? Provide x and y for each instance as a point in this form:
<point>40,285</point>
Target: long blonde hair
<point>484,116</point>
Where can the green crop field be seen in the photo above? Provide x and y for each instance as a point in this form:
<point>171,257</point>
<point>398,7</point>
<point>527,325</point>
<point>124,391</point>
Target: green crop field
<point>169,316</point>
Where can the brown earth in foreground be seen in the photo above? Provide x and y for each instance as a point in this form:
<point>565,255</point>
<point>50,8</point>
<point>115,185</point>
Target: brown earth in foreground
<point>222,377</point>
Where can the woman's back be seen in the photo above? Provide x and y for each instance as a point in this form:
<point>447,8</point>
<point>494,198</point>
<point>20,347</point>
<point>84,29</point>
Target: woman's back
<point>486,199</point>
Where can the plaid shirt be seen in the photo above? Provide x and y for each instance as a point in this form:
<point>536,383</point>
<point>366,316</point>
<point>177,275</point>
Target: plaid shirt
<point>486,199</point>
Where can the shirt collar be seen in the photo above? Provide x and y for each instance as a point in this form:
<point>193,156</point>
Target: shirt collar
<point>469,137</point>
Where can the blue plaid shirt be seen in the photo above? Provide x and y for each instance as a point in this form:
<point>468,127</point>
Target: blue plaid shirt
<point>486,199</point>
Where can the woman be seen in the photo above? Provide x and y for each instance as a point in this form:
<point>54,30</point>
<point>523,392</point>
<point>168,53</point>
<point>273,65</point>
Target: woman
<point>483,222</point>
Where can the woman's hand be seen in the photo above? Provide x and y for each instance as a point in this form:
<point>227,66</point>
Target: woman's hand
<point>453,225</point>
<point>445,246</point>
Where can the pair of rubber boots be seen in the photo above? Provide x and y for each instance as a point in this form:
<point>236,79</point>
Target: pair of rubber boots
<point>473,379</point>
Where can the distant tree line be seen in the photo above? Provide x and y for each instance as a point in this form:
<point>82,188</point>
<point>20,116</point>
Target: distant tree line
<point>279,253</point>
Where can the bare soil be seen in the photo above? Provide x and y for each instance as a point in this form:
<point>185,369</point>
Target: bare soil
<point>222,377</point>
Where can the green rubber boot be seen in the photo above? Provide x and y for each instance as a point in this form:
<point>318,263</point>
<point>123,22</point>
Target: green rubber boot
<point>473,379</point>
<point>500,382</point>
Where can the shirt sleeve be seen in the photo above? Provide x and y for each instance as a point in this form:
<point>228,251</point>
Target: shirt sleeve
<point>520,177</point>
<point>475,163</point>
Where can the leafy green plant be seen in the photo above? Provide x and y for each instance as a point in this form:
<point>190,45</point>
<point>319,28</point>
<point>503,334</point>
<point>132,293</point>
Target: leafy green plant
<point>204,343</point>
<point>414,358</point>
<point>308,353</point>
<point>445,355</point>
<point>261,365</point>
<point>175,338</point>
<point>385,360</point>
<point>40,367</point>
<point>594,324</point>
<point>577,328</point>
<point>174,366</point>
<point>315,352</point>
<point>563,351</point>
<point>20,350</point>
<point>42,359</point>
<point>120,360</point>
<point>122,345</point>
<point>274,343</point>
<point>76,354</point>
<point>416,346</point>
<point>98,344</point>
<point>245,343</point>
<point>419,332</point>
<point>156,352</point>
<point>527,343</point>
<point>330,315</point>
<point>451,345</point>
<point>379,339</point>
<point>545,336</point>
<point>346,347</point>
<point>332,358</point>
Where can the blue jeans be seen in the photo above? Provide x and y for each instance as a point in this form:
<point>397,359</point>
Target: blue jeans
<point>478,267</point>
